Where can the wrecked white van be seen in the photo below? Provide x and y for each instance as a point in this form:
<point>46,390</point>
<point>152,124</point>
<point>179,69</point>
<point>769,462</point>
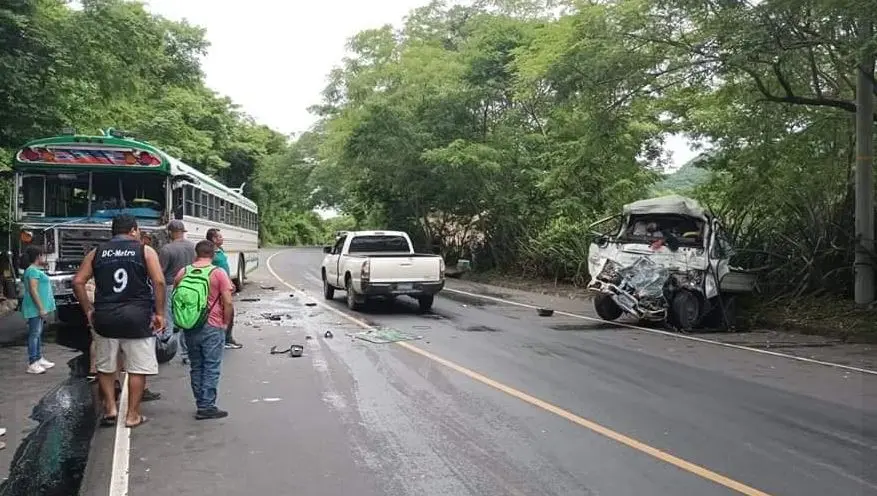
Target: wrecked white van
<point>667,259</point>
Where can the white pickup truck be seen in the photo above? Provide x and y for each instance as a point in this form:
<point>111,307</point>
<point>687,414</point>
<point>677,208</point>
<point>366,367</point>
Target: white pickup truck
<point>370,264</point>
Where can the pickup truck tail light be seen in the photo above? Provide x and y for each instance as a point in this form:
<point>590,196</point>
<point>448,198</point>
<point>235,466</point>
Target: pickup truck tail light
<point>365,272</point>
<point>441,268</point>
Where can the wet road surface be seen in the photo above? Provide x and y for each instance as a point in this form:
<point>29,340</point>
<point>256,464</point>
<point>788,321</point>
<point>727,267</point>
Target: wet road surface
<point>535,406</point>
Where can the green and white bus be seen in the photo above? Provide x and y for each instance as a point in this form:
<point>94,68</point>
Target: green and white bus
<point>67,189</point>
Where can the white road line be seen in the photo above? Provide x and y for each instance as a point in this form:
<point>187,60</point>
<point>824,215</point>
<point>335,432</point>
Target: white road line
<point>672,334</point>
<point>121,447</point>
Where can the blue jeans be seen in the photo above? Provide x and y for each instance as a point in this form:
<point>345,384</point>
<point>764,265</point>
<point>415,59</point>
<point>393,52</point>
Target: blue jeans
<point>205,360</point>
<point>34,339</point>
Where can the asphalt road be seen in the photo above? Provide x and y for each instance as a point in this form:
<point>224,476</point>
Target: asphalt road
<point>494,400</point>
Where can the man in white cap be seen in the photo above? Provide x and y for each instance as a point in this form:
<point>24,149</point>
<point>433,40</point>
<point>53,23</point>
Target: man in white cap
<point>175,255</point>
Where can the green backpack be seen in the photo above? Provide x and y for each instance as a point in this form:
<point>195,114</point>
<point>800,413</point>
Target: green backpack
<point>190,297</point>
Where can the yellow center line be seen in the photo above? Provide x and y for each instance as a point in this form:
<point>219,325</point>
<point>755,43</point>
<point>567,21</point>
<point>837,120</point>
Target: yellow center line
<point>548,407</point>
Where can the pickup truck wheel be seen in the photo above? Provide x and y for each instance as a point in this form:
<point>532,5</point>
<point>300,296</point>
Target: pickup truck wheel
<point>606,307</point>
<point>352,302</point>
<point>425,302</point>
<point>328,291</point>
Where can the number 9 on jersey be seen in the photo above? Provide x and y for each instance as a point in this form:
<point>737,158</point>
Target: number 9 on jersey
<point>120,279</point>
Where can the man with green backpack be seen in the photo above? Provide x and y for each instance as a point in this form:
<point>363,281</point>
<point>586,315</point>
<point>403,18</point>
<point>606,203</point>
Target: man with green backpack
<point>202,309</point>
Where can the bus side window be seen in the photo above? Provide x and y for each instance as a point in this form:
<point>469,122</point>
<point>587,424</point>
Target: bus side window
<point>187,197</point>
<point>203,213</point>
<point>177,202</point>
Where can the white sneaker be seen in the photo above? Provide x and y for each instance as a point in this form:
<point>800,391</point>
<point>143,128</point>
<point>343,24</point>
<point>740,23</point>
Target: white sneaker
<point>2,431</point>
<point>36,368</point>
<point>45,363</point>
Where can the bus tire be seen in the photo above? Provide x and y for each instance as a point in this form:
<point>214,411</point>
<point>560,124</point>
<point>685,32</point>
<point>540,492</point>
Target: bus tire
<point>239,279</point>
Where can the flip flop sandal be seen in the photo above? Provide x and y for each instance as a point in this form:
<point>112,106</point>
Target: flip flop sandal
<point>143,419</point>
<point>108,421</point>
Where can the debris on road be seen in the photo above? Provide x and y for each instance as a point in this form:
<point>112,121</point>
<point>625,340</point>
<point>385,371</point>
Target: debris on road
<point>308,337</point>
<point>251,299</point>
<point>270,400</point>
<point>328,334</point>
<point>545,312</point>
<point>384,336</point>
<point>292,295</point>
<point>272,316</point>
<point>294,350</point>
<point>310,304</point>
<point>267,288</point>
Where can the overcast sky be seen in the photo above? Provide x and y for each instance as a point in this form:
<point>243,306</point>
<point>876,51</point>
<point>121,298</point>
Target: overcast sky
<point>272,56</point>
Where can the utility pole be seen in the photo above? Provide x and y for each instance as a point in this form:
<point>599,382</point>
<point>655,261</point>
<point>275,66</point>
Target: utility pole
<point>863,265</point>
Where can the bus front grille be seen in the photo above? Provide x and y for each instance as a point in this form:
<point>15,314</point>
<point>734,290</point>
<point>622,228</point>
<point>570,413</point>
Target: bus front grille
<point>74,244</point>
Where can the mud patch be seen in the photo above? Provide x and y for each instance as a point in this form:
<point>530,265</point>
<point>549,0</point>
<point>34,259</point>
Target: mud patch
<point>482,328</point>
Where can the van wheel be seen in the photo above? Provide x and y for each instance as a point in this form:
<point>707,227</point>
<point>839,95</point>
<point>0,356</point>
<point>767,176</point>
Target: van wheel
<point>425,302</point>
<point>606,307</point>
<point>685,310</point>
<point>352,302</point>
<point>328,291</point>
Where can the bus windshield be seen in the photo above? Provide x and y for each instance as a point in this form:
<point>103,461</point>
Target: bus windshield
<point>66,195</point>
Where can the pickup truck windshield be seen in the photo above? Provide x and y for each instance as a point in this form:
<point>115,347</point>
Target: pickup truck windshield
<point>379,244</point>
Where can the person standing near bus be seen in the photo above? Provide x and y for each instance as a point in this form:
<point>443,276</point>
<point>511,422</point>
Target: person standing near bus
<point>38,302</point>
<point>221,261</point>
<point>204,310</point>
<point>173,256</point>
<point>126,273</point>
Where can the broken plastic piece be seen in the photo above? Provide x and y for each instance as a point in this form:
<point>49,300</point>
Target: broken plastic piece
<point>328,334</point>
<point>310,304</point>
<point>545,312</point>
<point>296,350</point>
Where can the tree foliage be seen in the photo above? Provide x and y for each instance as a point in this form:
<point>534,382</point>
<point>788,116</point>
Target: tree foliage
<point>111,63</point>
<point>500,130</point>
